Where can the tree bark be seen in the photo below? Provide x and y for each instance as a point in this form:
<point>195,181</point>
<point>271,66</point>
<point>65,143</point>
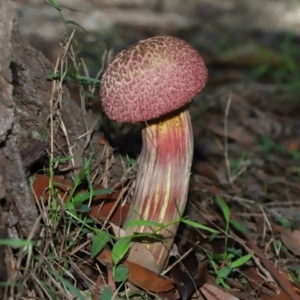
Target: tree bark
<point>6,125</point>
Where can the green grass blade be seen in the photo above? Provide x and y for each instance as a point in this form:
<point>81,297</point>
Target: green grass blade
<point>241,261</point>
<point>197,225</point>
<point>224,208</point>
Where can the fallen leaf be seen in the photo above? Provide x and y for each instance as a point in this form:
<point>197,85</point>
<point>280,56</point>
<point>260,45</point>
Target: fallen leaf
<point>101,212</point>
<point>235,132</point>
<point>140,276</point>
<point>212,292</point>
<point>207,170</point>
<point>281,296</point>
<point>251,54</point>
<point>188,275</point>
<point>101,204</point>
<point>258,283</point>
<point>143,257</point>
<point>41,183</point>
<point>291,239</point>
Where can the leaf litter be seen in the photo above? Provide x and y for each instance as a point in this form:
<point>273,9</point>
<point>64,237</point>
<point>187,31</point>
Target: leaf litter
<point>255,195</point>
<point>244,184</point>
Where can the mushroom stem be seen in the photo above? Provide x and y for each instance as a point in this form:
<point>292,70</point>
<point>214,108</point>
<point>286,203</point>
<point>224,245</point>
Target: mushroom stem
<point>162,179</point>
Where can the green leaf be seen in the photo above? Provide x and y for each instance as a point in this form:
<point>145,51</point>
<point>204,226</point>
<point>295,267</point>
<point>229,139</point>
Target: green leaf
<point>100,240</point>
<point>10,284</point>
<point>70,8</point>
<point>144,223</point>
<point>90,95</point>
<point>131,162</point>
<point>107,294</point>
<point>78,178</point>
<point>121,273</point>
<point>17,243</point>
<point>241,261</point>
<point>229,256</point>
<point>220,256</point>
<point>71,209</point>
<point>234,251</point>
<point>85,209</point>
<point>238,226</point>
<point>53,3</point>
<point>197,225</point>
<point>89,220</point>
<point>81,197</point>
<point>75,23</point>
<point>223,206</point>
<point>284,222</point>
<point>87,79</point>
<point>224,272</point>
<point>152,236</point>
<point>120,249</point>
<point>266,143</point>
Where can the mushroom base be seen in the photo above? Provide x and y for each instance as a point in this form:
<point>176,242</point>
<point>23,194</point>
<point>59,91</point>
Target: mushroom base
<point>162,180</point>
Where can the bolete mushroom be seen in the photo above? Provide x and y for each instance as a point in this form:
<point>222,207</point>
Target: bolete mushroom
<point>153,82</point>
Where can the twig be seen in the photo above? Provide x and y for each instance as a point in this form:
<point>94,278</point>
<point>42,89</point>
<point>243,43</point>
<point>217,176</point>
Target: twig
<point>226,158</point>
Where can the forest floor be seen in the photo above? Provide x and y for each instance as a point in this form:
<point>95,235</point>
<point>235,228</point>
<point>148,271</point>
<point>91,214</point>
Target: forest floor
<point>245,179</point>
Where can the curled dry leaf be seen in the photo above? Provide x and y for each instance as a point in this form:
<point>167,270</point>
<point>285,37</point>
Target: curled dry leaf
<point>188,275</point>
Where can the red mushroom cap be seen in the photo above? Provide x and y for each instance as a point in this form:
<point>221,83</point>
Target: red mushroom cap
<point>151,78</point>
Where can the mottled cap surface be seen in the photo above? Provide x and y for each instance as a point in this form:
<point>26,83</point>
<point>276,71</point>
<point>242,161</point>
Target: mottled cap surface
<point>151,78</point>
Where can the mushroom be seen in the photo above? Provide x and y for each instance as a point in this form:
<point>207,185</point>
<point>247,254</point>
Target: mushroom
<point>153,82</point>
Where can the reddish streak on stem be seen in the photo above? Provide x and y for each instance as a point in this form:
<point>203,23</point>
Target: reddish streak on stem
<point>163,179</point>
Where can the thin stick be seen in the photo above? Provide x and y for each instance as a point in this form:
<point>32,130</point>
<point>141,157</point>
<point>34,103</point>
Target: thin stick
<point>227,162</point>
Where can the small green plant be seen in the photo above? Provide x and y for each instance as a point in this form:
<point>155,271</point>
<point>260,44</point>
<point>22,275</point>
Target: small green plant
<point>234,260</point>
<point>294,272</point>
<point>268,145</point>
<point>230,259</point>
<point>130,161</point>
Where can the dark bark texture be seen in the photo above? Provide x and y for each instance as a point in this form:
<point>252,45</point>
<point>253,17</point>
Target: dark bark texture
<point>6,125</point>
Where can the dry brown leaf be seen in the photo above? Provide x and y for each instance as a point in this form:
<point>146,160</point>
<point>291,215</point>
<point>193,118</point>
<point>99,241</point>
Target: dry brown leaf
<point>118,231</point>
<point>138,253</point>
<point>281,296</point>
<point>235,132</point>
<point>140,276</point>
<point>252,54</point>
<point>258,283</point>
<point>212,292</point>
<point>41,184</point>
<point>291,239</point>
<point>101,212</point>
<point>207,170</point>
<point>143,257</point>
<point>188,275</point>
